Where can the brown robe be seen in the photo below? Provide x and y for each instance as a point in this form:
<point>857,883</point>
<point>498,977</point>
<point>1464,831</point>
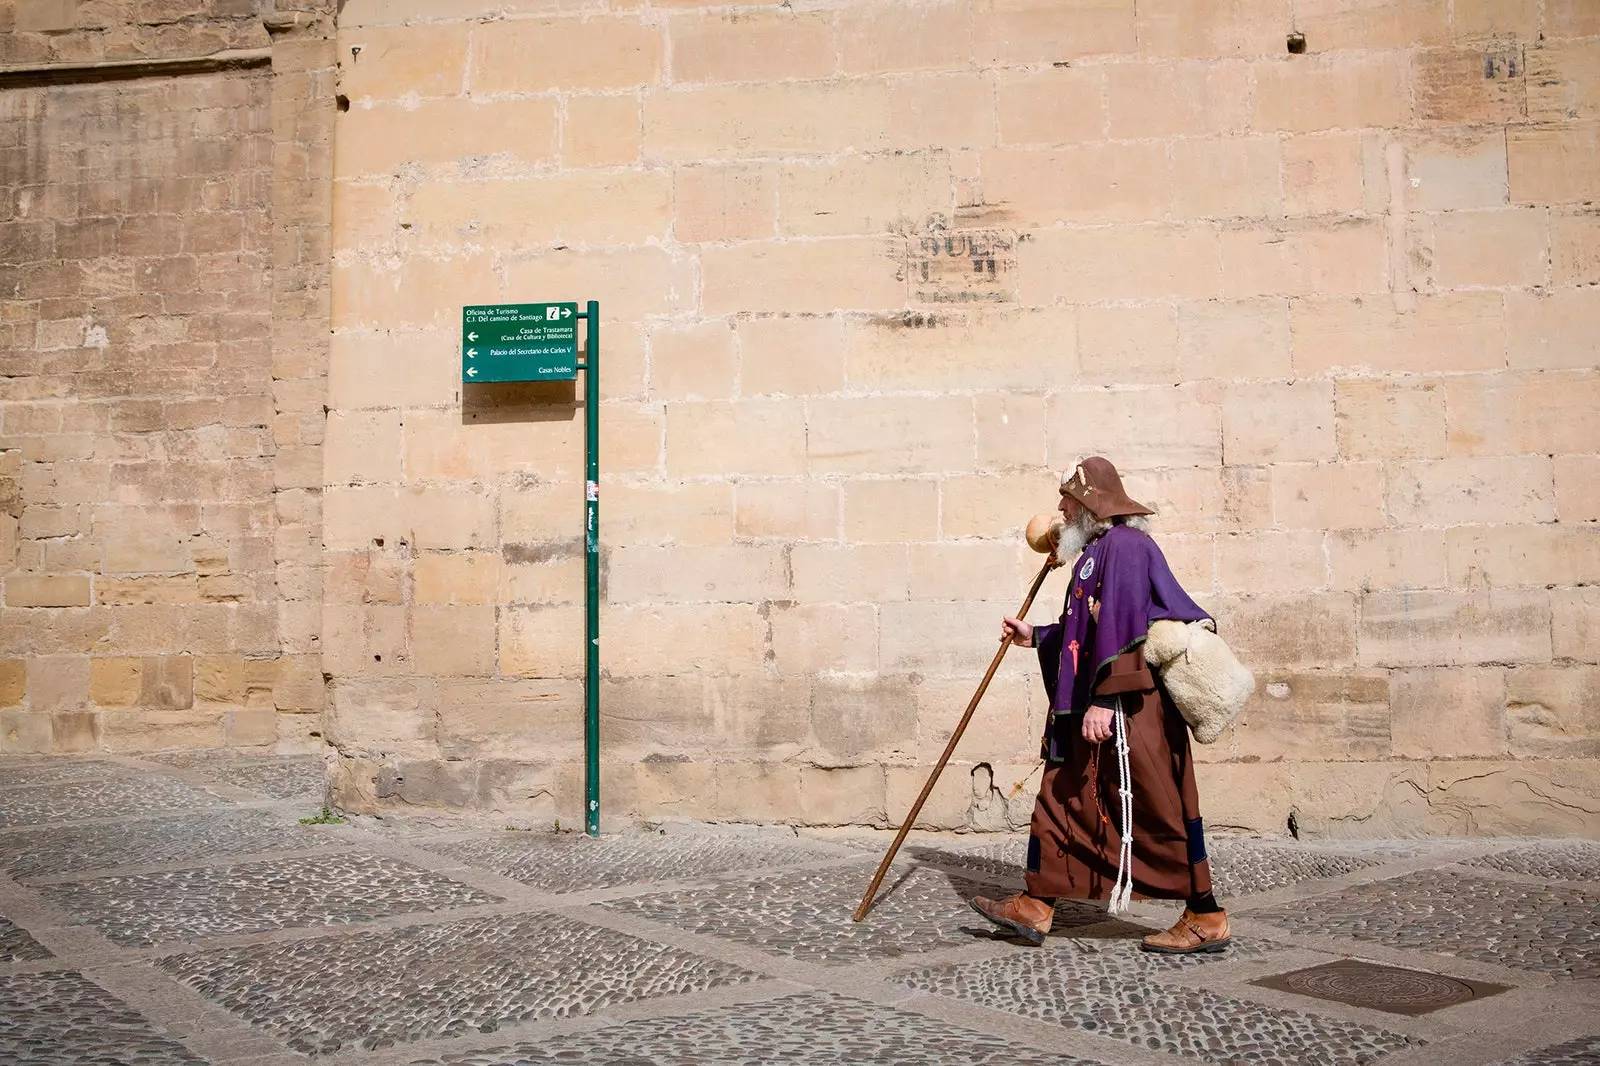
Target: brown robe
<point>1075,840</point>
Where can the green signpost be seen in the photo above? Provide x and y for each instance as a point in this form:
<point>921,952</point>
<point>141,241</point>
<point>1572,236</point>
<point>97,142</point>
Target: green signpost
<point>519,342</point>
<point>539,342</point>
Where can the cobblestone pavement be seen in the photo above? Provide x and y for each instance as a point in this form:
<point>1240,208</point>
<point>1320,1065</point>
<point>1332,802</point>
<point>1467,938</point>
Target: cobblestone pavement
<point>173,910</point>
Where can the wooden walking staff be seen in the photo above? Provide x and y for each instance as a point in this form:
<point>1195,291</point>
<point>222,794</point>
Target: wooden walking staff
<point>1043,532</point>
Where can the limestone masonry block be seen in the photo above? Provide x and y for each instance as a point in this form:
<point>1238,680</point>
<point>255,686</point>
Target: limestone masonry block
<point>428,60</point>
<point>1453,491</point>
<point>595,53</point>
<point>717,203</point>
<point>694,513</point>
<point>600,131</point>
<point>755,46</point>
<point>1474,718</point>
<point>1316,715</point>
<point>1166,99</point>
<point>753,437</point>
<point>1329,92</point>
<point>1554,329</point>
<point>1020,32</point>
<point>1541,555</point>
<point>1554,712</point>
<point>385,137</point>
<point>791,355</point>
<point>13,682</point>
<point>812,639</point>
<point>693,363</point>
<point>46,590</point>
<point>1387,559</point>
<point>1033,349</point>
<point>1062,105</point>
<point>1554,164</point>
<point>887,435</point>
<point>1455,628</point>
<point>890,511</point>
<point>849,273</point>
<point>799,510</point>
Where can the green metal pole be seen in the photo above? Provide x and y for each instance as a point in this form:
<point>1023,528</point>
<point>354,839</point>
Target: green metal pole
<point>591,572</point>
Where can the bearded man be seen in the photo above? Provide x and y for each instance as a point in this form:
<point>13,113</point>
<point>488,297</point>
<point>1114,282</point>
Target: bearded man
<point>1101,691</point>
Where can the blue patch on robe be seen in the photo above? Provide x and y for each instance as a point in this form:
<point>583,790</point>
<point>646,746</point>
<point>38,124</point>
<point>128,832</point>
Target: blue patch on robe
<point>1033,854</point>
<point>1197,841</point>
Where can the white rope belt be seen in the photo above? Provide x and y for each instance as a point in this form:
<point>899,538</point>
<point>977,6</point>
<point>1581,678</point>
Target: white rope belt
<point>1122,891</point>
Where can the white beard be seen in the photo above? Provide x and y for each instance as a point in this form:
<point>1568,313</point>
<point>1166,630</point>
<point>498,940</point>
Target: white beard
<point>1076,535</point>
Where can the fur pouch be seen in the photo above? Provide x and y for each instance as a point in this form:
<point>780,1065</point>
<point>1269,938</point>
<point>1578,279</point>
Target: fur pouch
<point>1206,681</point>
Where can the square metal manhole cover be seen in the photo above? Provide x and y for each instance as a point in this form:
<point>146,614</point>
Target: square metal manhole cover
<point>1385,988</point>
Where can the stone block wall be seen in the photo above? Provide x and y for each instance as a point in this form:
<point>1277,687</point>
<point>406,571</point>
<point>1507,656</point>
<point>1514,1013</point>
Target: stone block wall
<point>162,262</point>
<point>871,274</point>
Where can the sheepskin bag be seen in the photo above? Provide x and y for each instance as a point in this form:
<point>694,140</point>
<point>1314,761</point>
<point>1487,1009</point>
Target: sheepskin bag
<point>1207,682</point>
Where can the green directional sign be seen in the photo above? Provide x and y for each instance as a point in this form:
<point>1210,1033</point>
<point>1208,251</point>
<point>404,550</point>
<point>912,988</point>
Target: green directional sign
<point>519,342</point>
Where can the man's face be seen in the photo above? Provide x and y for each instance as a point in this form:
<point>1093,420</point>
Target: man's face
<point>1070,508</point>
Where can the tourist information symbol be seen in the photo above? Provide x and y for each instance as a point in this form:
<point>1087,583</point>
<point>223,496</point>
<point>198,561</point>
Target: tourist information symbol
<point>519,342</point>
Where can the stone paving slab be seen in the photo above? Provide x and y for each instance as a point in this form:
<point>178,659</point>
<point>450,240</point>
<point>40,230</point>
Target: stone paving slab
<point>96,798</point>
<point>142,909</point>
<point>279,776</point>
<point>752,926</point>
<point>806,1029</point>
<point>1238,867</point>
<point>150,842</point>
<point>806,915</point>
<point>1555,860</point>
<point>61,1018</point>
<point>1584,1051</point>
<point>1554,930</point>
<point>573,862</point>
<point>17,946</point>
<point>375,989</point>
<point>60,771</point>
<point>1112,989</point>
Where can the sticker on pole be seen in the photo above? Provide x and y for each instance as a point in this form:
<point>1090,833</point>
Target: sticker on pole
<point>519,342</point>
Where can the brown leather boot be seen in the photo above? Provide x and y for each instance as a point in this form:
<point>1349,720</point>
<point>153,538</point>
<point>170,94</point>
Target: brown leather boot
<point>1020,915</point>
<point>1193,932</point>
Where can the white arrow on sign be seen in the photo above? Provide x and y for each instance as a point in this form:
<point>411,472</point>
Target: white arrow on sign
<point>566,312</point>
<point>472,353</point>
<point>472,371</point>
<point>472,336</point>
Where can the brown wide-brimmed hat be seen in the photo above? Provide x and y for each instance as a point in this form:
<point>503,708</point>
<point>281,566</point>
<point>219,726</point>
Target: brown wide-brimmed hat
<point>1096,484</point>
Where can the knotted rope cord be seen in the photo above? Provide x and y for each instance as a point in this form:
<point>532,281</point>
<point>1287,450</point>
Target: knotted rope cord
<point>1122,891</point>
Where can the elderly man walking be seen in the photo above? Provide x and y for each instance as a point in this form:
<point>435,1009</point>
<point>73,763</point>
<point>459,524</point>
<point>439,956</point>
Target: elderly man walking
<point>1112,729</point>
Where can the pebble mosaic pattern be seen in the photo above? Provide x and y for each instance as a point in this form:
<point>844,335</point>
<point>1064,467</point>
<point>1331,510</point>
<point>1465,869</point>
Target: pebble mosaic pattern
<point>17,946</point>
<point>97,798</point>
<point>1552,929</point>
<point>281,777</point>
<point>1239,867</point>
<point>46,853</point>
<point>810,1029</point>
<point>1584,1051</point>
<point>1112,989</point>
<point>806,914</point>
<point>256,896</point>
<point>58,771</point>
<point>577,863</point>
<point>63,1019</point>
<point>1564,860</point>
<point>377,989</point>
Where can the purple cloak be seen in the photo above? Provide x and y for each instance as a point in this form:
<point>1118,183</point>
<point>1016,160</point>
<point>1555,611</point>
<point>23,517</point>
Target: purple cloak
<point>1126,572</point>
